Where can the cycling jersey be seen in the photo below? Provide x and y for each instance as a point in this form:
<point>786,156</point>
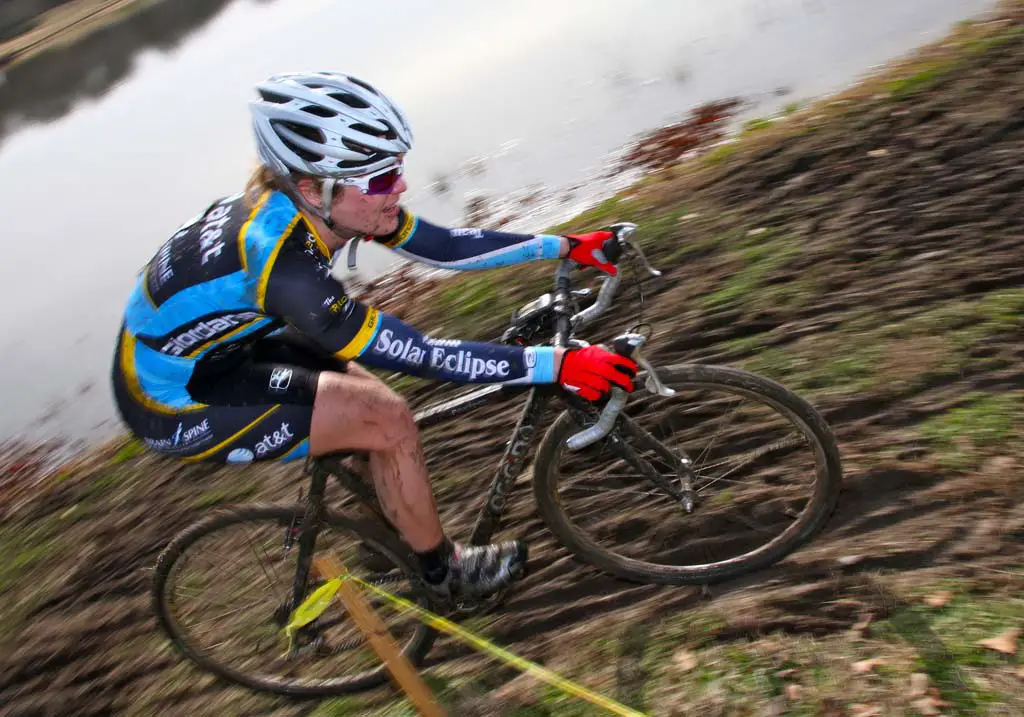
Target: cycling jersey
<point>238,275</point>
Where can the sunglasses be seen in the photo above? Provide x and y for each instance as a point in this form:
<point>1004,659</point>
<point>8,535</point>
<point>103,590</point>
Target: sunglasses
<point>382,181</point>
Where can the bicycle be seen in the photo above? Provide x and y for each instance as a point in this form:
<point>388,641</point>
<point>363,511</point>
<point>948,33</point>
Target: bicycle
<point>703,515</point>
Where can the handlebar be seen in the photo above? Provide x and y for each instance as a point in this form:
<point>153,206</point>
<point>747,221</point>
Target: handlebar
<point>627,344</point>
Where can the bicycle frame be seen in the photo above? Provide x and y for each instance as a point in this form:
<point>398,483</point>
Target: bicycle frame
<point>512,463</point>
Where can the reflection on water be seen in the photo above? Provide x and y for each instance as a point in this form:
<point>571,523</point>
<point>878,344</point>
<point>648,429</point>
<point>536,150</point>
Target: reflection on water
<point>527,97</point>
<point>49,85</point>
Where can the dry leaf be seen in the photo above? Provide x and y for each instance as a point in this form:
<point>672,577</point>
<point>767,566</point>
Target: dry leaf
<point>918,685</point>
<point>865,666</point>
<point>878,153</point>
<point>859,710</point>
<point>926,706</point>
<point>1005,642</point>
<point>793,692</point>
<point>685,660</point>
<point>939,599</point>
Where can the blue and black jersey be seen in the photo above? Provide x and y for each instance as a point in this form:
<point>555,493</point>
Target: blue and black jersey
<point>238,274</point>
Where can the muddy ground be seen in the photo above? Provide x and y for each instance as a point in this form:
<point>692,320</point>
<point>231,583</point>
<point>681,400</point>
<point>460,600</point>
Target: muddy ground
<point>869,253</point>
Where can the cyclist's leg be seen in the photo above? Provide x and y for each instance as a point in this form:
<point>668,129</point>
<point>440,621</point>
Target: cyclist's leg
<point>356,411</point>
<point>351,410</point>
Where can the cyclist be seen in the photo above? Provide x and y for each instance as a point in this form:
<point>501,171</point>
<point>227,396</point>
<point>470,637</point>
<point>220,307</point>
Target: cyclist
<point>238,344</point>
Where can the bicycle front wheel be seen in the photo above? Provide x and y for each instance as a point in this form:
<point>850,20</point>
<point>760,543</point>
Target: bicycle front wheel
<point>766,475</point>
<point>221,593</point>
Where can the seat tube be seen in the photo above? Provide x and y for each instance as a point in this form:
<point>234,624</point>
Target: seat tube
<point>308,532</point>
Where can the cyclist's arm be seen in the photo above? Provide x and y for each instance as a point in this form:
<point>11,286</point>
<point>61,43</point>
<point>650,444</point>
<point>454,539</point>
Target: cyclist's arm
<point>464,249</point>
<point>301,290</point>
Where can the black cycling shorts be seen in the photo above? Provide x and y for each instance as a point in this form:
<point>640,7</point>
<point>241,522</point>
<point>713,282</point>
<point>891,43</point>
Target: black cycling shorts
<point>257,406</point>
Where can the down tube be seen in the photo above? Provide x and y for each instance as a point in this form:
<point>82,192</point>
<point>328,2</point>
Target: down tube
<point>512,463</point>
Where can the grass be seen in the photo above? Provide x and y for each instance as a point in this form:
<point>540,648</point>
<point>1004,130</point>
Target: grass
<point>24,548</point>
<point>979,426</point>
<point>840,364</point>
<point>984,44</point>
<point>231,494</point>
<point>967,327</point>
<point>921,80</point>
<point>131,448</point>
<point>758,123</point>
<point>761,255</point>
<point>946,645</point>
<point>720,153</point>
<point>473,306</point>
<point>106,483</point>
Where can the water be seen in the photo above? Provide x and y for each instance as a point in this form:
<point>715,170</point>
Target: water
<point>502,96</point>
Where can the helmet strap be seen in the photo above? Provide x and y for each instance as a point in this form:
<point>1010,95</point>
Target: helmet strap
<point>327,186</point>
<point>326,200</point>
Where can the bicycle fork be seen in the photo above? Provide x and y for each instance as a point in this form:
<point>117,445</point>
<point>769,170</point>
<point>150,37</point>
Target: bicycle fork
<point>683,493</point>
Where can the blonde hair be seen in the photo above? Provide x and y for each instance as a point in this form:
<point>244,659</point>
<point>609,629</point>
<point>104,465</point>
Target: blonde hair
<point>262,180</point>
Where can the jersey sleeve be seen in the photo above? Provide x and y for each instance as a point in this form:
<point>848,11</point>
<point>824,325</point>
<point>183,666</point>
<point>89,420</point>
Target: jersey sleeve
<point>302,291</point>
<point>464,249</point>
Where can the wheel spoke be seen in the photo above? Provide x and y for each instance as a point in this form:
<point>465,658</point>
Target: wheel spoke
<point>707,448</point>
<point>257,553</point>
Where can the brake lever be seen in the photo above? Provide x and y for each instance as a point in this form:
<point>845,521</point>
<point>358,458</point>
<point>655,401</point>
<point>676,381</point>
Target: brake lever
<point>643,258</point>
<point>653,383</point>
<point>623,231</point>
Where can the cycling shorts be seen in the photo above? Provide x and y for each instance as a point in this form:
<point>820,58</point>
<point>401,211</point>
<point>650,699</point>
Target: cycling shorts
<point>257,407</point>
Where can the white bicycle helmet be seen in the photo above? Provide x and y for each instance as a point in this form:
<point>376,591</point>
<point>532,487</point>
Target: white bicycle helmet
<point>326,124</point>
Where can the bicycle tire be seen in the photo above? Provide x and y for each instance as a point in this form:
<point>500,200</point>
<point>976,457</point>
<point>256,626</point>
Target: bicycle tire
<point>415,648</point>
<point>819,507</point>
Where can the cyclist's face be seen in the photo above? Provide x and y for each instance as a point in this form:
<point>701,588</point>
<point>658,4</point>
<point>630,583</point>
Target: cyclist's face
<point>375,214</point>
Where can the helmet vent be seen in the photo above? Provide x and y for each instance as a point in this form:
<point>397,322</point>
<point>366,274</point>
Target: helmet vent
<point>368,88</point>
<point>274,97</point>
<point>319,111</point>
<point>389,133</point>
<point>310,133</point>
<point>350,100</point>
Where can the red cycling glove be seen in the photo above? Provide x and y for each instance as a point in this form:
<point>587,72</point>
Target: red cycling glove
<point>591,372</point>
<point>587,249</point>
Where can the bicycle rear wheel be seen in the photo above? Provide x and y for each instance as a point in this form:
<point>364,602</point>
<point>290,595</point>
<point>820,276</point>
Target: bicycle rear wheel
<point>221,590</point>
<point>767,476</point>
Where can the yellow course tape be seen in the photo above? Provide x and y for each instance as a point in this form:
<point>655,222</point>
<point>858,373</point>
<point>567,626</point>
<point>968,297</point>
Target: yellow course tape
<point>313,606</point>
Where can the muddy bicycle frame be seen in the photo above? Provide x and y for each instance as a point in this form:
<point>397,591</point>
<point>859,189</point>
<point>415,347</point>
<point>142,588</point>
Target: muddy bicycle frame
<point>517,452</point>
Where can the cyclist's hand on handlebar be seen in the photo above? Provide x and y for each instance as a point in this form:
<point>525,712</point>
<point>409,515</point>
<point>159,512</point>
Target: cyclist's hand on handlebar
<point>588,249</point>
<point>593,371</point>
